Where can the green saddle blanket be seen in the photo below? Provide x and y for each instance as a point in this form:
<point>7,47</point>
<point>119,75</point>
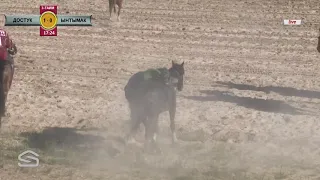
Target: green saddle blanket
<point>161,74</point>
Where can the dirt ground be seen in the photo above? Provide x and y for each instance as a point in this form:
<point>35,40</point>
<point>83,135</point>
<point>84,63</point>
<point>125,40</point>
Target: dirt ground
<point>249,108</point>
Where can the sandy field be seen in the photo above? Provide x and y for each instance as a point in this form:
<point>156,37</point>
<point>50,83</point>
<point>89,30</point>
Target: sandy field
<point>249,108</point>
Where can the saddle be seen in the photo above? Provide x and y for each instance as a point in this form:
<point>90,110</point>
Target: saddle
<point>160,74</point>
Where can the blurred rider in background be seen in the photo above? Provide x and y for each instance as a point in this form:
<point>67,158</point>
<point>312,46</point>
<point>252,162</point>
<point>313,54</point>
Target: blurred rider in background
<point>7,47</point>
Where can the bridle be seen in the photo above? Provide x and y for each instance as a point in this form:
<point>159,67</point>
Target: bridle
<point>174,77</point>
<point>14,50</point>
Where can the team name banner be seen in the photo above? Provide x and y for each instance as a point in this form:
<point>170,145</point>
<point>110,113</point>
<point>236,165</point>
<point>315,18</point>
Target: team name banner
<point>34,20</point>
<point>48,20</point>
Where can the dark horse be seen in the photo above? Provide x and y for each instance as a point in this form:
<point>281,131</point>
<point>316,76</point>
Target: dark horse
<point>318,47</point>
<point>159,97</point>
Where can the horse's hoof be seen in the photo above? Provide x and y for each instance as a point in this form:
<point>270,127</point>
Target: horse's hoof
<point>147,148</point>
<point>130,140</point>
<point>174,139</point>
<point>158,150</point>
<point>152,148</point>
<point>175,144</point>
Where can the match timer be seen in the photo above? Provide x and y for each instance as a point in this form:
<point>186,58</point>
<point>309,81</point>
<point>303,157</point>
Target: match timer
<point>48,20</point>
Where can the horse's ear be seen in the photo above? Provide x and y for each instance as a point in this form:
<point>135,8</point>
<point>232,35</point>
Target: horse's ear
<point>182,63</point>
<point>172,62</point>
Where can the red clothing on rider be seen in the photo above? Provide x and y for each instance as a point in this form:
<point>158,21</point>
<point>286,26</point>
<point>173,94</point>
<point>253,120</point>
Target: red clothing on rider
<point>5,44</point>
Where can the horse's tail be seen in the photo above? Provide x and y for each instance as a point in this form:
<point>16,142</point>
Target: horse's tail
<point>127,92</point>
<point>2,95</point>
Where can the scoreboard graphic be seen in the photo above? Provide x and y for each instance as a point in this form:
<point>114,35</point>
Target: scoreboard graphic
<point>48,20</point>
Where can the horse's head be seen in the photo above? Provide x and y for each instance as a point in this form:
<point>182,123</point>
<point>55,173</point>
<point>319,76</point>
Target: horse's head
<point>176,75</point>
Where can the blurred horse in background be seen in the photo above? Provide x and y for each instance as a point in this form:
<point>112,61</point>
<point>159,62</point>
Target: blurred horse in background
<point>112,5</point>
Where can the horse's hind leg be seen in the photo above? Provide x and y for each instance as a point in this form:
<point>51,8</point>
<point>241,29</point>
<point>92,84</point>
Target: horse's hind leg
<point>173,129</point>
<point>136,119</point>
<point>114,6</point>
<point>151,130</point>
<point>119,14</point>
<point>111,6</point>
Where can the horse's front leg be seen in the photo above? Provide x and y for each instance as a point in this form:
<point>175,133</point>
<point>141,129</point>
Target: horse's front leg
<point>134,125</point>
<point>172,114</point>
<point>11,77</point>
<point>119,9</point>
<point>6,87</point>
<point>118,17</point>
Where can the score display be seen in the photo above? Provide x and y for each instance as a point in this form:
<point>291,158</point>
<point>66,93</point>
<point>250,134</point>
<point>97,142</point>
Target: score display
<point>48,20</point>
